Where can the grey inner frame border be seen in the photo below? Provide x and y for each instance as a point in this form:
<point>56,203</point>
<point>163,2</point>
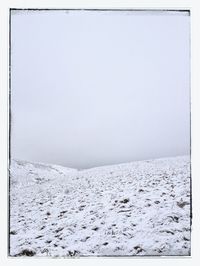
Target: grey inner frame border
<point>187,12</point>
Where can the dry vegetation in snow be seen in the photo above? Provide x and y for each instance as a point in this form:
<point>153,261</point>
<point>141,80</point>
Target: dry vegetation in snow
<point>139,208</point>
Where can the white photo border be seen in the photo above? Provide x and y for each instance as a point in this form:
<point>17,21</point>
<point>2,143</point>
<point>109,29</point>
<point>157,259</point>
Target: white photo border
<point>191,5</point>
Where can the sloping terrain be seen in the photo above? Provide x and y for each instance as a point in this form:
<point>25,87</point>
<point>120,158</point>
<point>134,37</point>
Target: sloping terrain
<point>139,208</point>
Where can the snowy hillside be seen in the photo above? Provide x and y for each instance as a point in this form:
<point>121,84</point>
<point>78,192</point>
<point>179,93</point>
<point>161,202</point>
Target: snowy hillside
<point>139,208</point>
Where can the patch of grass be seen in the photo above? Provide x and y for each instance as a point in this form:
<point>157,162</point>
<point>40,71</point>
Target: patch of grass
<point>26,252</point>
<point>124,201</point>
<point>13,232</point>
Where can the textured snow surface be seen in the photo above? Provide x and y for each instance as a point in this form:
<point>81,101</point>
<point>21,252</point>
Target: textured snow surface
<point>139,208</point>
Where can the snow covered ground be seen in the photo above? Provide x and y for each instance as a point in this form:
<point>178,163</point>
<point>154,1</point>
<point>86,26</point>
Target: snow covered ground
<point>139,208</point>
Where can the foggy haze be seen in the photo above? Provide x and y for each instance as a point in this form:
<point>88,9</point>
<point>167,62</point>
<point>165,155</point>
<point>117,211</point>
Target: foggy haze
<point>94,88</point>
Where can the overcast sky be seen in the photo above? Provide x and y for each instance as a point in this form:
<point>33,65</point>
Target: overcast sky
<point>93,88</point>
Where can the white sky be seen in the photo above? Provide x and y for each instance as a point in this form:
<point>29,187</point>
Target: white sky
<point>92,88</point>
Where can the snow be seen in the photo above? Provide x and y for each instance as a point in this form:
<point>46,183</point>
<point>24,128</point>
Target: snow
<point>132,209</point>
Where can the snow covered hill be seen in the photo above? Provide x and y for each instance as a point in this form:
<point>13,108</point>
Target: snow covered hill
<point>139,208</point>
